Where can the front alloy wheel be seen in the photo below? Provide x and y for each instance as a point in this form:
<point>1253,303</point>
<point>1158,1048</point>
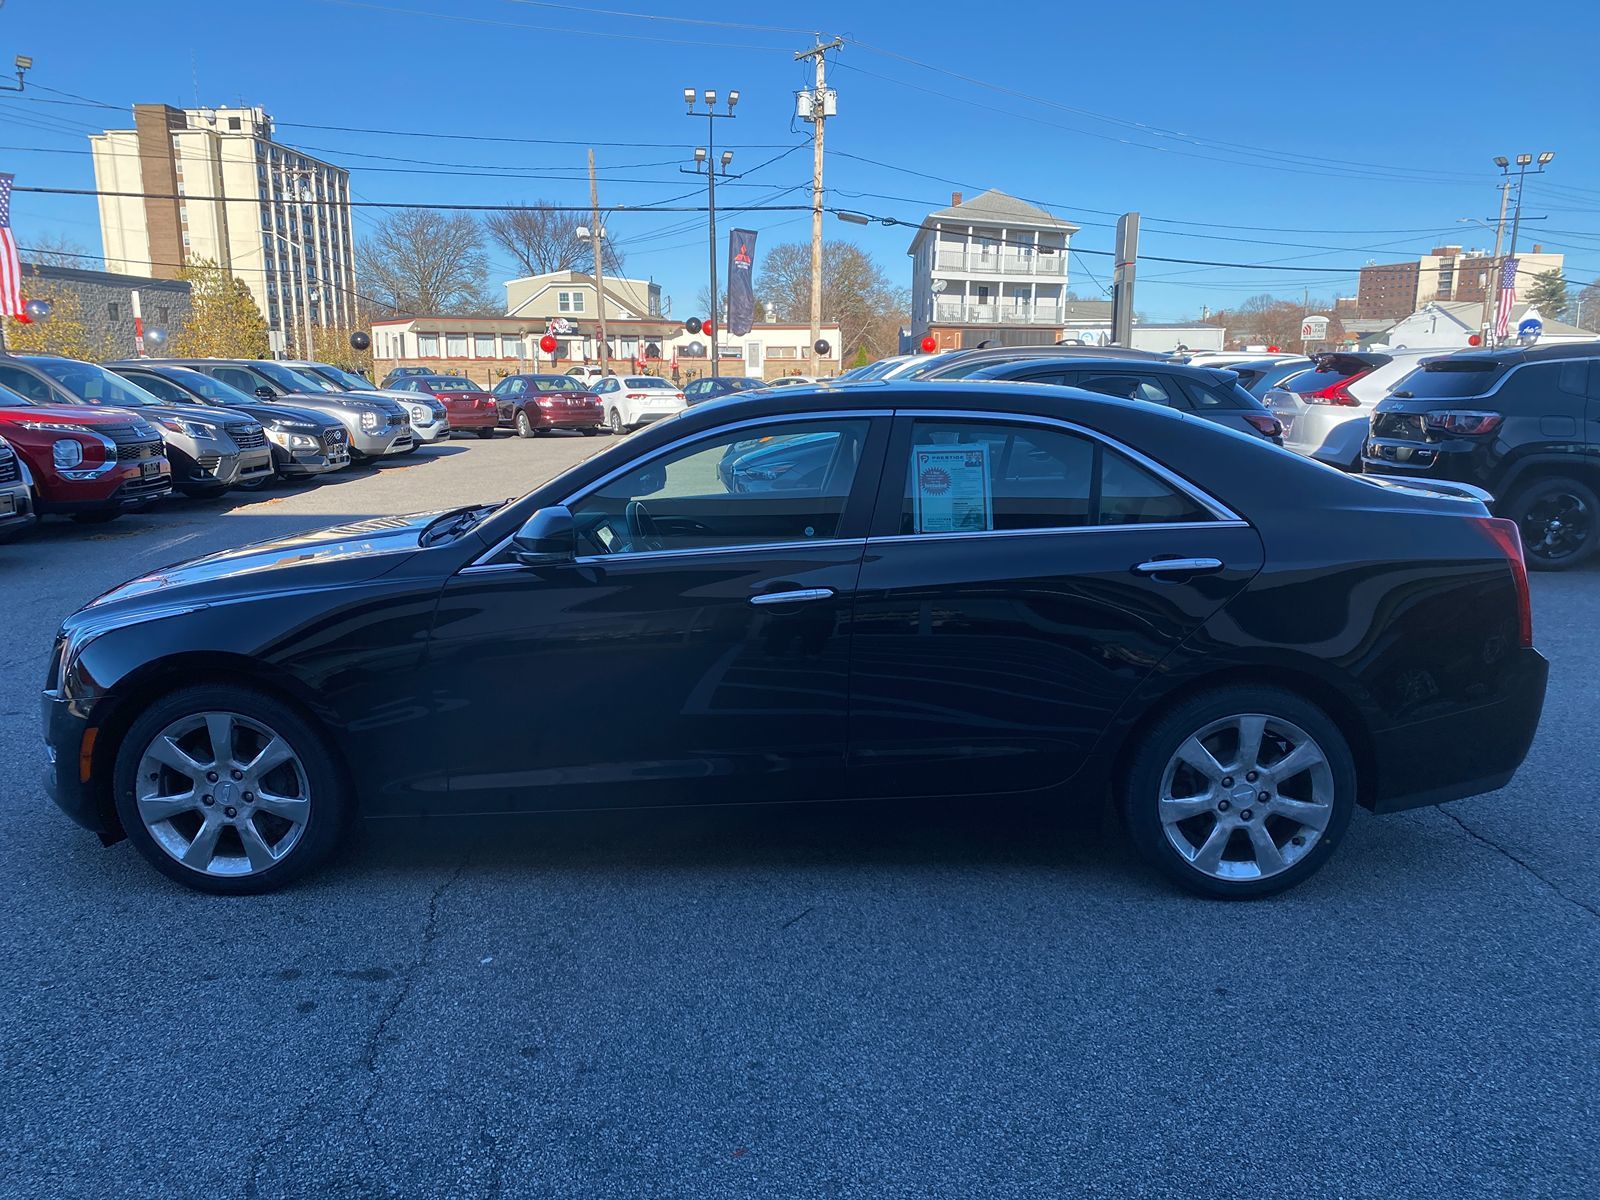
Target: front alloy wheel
<point>1556,518</point>
<point>524,426</point>
<point>227,790</point>
<point>1241,792</point>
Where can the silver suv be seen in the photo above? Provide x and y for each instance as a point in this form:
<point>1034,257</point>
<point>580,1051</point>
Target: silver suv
<point>209,452</point>
<point>430,421</point>
<point>377,427</point>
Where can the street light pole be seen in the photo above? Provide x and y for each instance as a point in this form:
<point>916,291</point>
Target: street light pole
<point>707,156</point>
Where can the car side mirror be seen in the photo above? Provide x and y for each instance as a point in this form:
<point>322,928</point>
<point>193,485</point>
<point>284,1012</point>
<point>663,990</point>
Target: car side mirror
<point>548,536</point>
<point>266,393</point>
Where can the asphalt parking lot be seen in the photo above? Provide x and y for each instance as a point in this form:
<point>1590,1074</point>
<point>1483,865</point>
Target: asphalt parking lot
<point>820,1001</point>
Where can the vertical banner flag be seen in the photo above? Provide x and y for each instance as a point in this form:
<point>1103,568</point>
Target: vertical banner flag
<point>1508,297</point>
<point>741,291</point>
<point>11,304</point>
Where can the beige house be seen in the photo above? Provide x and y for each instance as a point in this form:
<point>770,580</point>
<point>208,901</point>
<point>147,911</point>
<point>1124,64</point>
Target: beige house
<point>571,294</point>
<point>489,348</point>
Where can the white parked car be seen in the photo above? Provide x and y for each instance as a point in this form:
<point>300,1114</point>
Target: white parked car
<point>630,401</point>
<point>1326,411</point>
<point>783,381</point>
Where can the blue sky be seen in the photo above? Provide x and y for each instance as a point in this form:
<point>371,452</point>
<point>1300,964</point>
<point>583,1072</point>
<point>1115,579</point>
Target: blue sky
<point>1242,133</point>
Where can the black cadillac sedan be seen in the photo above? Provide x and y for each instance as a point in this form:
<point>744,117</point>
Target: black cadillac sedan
<point>935,590</point>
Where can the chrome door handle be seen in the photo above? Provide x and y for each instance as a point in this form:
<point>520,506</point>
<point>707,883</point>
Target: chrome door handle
<point>800,596</point>
<point>1178,566</point>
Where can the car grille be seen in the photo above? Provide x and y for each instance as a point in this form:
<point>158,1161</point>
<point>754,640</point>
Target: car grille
<point>8,468</point>
<point>1398,425</point>
<point>147,483</point>
<point>208,463</point>
<point>133,451</point>
<point>333,438</point>
<point>399,421</point>
<point>248,437</point>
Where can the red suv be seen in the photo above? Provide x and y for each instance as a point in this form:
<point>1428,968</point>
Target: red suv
<point>90,463</point>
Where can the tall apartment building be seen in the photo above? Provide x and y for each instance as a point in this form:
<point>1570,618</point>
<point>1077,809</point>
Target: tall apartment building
<point>993,261</point>
<point>215,184</point>
<point>1390,291</point>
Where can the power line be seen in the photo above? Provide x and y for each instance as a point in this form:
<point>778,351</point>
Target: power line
<point>639,16</point>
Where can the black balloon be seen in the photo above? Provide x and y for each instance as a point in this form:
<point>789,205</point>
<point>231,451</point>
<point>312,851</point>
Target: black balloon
<point>822,347</point>
<point>359,340</point>
<point>692,325</point>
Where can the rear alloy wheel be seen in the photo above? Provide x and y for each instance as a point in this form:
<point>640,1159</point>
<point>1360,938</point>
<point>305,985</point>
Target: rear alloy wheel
<point>524,426</point>
<point>228,790</point>
<point>1241,792</point>
<point>1556,518</point>
<point>614,421</point>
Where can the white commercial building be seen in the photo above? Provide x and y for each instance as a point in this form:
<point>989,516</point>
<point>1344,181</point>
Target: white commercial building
<point>214,184</point>
<point>1451,326</point>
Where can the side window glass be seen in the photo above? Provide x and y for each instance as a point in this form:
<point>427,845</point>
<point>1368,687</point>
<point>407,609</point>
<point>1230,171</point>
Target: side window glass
<point>973,477</point>
<point>237,378</point>
<point>1573,378</point>
<point>21,382</point>
<point>785,482</point>
<point>1213,397</point>
<point>1058,378</point>
<point>1529,388</point>
<point>1130,386</point>
<point>162,389</point>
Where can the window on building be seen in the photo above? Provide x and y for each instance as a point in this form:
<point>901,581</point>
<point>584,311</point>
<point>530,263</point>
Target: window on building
<point>112,311</point>
<point>570,302</point>
<point>483,345</point>
<point>234,124</point>
<point>427,345</point>
<point>455,345</point>
<point>162,315</point>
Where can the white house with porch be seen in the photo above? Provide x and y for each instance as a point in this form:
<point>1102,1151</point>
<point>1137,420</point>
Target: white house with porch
<point>992,260</point>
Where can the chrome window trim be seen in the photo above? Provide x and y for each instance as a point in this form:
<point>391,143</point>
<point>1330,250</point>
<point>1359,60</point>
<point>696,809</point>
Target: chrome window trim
<point>1224,517</point>
<point>638,555</point>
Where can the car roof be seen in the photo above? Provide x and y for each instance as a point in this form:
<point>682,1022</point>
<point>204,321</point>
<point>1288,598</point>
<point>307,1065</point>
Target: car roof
<point>1535,353</point>
<point>1202,373</point>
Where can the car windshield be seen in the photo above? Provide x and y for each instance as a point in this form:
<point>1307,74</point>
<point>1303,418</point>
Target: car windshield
<point>1448,378</point>
<point>555,383</point>
<point>207,389</point>
<point>95,385</point>
<point>342,378</point>
<point>646,381</point>
<point>451,384</point>
<point>294,381</point>
<point>743,383</point>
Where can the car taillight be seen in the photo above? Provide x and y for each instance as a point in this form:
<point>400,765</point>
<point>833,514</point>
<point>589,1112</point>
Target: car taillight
<point>1336,392</point>
<point>1459,420</point>
<point>638,395</point>
<point>1508,537</point>
<point>1268,424</point>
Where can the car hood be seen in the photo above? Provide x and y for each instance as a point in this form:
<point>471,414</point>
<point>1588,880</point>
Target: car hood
<point>75,414</point>
<point>335,556</point>
<point>193,412</point>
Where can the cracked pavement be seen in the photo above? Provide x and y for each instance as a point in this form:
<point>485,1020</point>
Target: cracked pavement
<point>830,1001</point>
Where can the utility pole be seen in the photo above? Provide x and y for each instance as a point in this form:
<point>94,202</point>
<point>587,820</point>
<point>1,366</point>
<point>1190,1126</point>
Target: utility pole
<point>1492,280</point>
<point>1523,162</point>
<point>706,156</point>
<point>822,105</point>
<point>597,236</point>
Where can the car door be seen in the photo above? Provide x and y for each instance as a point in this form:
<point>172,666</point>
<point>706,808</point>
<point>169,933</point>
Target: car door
<point>507,394</point>
<point>695,651</point>
<point>1012,597</point>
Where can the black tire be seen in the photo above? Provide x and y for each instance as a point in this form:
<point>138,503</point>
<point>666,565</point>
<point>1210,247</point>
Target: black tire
<point>98,516</point>
<point>202,492</point>
<point>485,434</point>
<point>524,426</point>
<point>329,810</point>
<point>255,482</point>
<point>1141,790</point>
<point>590,430</point>
<point>1559,519</point>
<point>614,422</point>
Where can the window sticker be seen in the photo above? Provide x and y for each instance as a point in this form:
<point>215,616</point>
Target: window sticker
<point>951,488</point>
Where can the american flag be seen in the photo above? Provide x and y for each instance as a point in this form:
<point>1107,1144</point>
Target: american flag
<point>10,269</point>
<point>1508,297</point>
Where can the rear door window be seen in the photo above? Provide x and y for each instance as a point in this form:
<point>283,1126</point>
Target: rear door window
<point>1132,385</point>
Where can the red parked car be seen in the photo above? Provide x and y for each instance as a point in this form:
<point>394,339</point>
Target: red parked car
<point>530,404</point>
<point>470,407</point>
<point>89,463</point>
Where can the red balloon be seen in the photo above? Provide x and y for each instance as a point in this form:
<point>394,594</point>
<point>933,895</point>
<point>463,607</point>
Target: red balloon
<point>706,327</point>
<point>1475,340</point>
<point>929,344</point>
<point>1272,350</point>
<point>548,344</point>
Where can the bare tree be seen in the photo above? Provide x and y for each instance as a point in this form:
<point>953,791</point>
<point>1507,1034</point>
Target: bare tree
<point>53,250</point>
<point>427,262</point>
<point>541,241</point>
<point>856,295</point>
<point>1266,320</point>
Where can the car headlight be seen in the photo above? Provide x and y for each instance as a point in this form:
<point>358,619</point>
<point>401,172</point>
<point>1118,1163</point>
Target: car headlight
<point>419,413</point>
<point>198,430</point>
<point>369,421</point>
<point>56,426</point>
<point>302,441</point>
<point>66,453</point>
